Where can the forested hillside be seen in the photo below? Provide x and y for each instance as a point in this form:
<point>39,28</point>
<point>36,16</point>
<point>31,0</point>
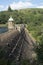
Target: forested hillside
<point>34,20</point>
<point>23,16</point>
<point>32,17</point>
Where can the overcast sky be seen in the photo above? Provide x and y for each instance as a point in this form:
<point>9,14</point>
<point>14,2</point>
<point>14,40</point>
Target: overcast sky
<point>20,4</point>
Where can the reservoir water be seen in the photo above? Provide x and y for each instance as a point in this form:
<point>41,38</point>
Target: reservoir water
<point>3,29</point>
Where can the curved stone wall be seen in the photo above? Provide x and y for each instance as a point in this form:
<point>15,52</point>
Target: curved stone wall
<point>8,36</point>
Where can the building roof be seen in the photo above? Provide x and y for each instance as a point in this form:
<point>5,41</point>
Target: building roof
<point>11,19</point>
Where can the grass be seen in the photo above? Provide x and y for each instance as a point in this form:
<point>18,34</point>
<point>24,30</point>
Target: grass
<point>3,25</point>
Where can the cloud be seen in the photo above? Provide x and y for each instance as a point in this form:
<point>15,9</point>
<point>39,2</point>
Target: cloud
<point>1,6</point>
<point>21,5</point>
<point>5,8</point>
<point>17,5</point>
<point>40,6</point>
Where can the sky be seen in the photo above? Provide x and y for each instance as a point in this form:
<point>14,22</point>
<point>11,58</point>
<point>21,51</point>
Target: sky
<point>20,4</point>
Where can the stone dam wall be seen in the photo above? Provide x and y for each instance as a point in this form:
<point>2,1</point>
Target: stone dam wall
<point>7,37</point>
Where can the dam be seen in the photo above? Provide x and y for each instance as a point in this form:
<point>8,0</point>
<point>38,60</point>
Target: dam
<point>17,45</point>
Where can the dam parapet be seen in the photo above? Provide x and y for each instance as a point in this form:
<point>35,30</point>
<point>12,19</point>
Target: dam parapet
<point>7,37</point>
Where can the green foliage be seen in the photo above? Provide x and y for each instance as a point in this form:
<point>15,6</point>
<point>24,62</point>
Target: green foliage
<point>34,20</point>
<point>25,62</point>
<point>3,61</point>
<point>23,16</point>
<point>22,62</point>
<point>39,51</point>
<point>9,9</point>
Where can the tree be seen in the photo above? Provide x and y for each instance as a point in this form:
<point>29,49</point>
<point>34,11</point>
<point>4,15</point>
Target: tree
<point>9,9</point>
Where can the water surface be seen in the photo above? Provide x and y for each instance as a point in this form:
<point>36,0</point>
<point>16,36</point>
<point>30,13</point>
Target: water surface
<point>3,29</point>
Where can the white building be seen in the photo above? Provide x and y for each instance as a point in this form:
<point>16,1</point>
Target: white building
<point>10,23</point>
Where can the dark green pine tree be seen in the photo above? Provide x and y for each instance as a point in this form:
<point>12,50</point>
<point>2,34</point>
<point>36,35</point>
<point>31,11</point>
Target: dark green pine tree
<point>9,9</point>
